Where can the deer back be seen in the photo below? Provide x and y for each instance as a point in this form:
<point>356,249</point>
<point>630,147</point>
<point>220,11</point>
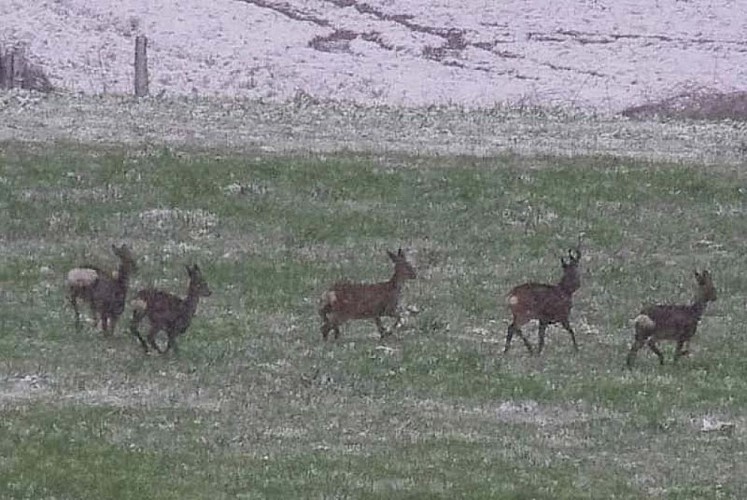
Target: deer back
<point>550,303</point>
<point>673,322</point>
<point>162,308</point>
<point>539,301</point>
<point>669,322</point>
<point>169,312</point>
<point>360,301</point>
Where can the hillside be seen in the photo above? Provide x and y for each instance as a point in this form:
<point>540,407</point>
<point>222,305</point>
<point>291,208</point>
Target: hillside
<point>592,54</point>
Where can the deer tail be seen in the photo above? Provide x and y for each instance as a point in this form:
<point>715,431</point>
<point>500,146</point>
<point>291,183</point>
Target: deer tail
<point>138,304</point>
<point>644,321</point>
<point>327,301</point>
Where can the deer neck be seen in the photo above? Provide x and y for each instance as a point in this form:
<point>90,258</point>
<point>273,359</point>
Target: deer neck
<point>698,306</point>
<point>190,302</point>
<point>396,282</point>
<point>123,273</point>
<point>566,287</point>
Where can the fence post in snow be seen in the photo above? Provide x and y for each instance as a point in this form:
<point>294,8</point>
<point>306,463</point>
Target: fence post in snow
<point>141,66</point>
<point>7,69</point>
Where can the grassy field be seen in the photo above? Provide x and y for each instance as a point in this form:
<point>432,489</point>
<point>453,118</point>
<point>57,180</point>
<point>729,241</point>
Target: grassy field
<point>255,405</point>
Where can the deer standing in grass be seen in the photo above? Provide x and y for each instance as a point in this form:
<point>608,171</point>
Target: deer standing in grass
<point>346,301</point>
<point>547,304</point>
<point>106,293</point>
<point>167,312</point>
<point>676,323</point>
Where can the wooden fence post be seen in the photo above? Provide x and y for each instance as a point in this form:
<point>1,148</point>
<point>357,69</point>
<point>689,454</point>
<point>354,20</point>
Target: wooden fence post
<point>16,71</point>
<point>141,66</point>
<point>7,69</point>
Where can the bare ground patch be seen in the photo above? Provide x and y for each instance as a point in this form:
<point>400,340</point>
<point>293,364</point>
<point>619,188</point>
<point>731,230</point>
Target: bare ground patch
<point>516,412</point>
<point>18,388</point>
<point>34,388</point>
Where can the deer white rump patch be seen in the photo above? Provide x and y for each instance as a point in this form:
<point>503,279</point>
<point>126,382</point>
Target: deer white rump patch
<point>644,321</point>
<point>139,304</point>
<point>329,297</point>
<point>81,277</point>
<point>513,300</point>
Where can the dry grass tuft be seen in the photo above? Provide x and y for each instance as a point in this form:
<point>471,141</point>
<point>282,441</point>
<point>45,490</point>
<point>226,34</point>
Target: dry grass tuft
<point>697,103</point>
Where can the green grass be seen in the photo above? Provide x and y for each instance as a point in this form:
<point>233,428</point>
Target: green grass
<point>256,406</point>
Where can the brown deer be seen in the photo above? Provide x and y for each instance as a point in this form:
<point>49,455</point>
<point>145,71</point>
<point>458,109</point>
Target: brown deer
<point>105,292</point>
<point>547,304</point>
<point>345,301</point>
<point>672,322</point>
<point>167,312</point>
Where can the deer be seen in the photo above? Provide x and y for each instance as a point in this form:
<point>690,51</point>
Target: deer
<point>346,301</point>
<point>167,312</point>
<point>105,292</point>
<point>676,323</point>
<point>548,304</point>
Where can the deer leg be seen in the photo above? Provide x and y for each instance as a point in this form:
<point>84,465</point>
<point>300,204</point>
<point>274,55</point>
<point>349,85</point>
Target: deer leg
<point>541,335</point>
<point>380,326</point>
<point>637,344</point>
<point>685,348</point>
<point>152,339</point>
<point>105,324</point>
<point>652,345</point>
<point>171,344</point>
<point>326,327</point>
<point>325,330</point>
<point>94,315</point>
<point>513,329</point>
<point>509,336</point>
<point>112,324</point>
<point>330,326</point>
<point>679,350</point>
<point>397,320</point>
<point>74,302</point>
<point>137,317</point>
<point>567,326</point>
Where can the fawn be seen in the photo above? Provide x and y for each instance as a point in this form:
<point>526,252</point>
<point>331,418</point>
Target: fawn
<point>167,312</point>
<point>547,304</point>
<point>672,322</point>
<point>345,301</point>
<point>106,293</point>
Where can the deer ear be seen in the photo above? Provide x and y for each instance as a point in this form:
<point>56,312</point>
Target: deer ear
<point>400,253</point>
<point>195,268</point>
